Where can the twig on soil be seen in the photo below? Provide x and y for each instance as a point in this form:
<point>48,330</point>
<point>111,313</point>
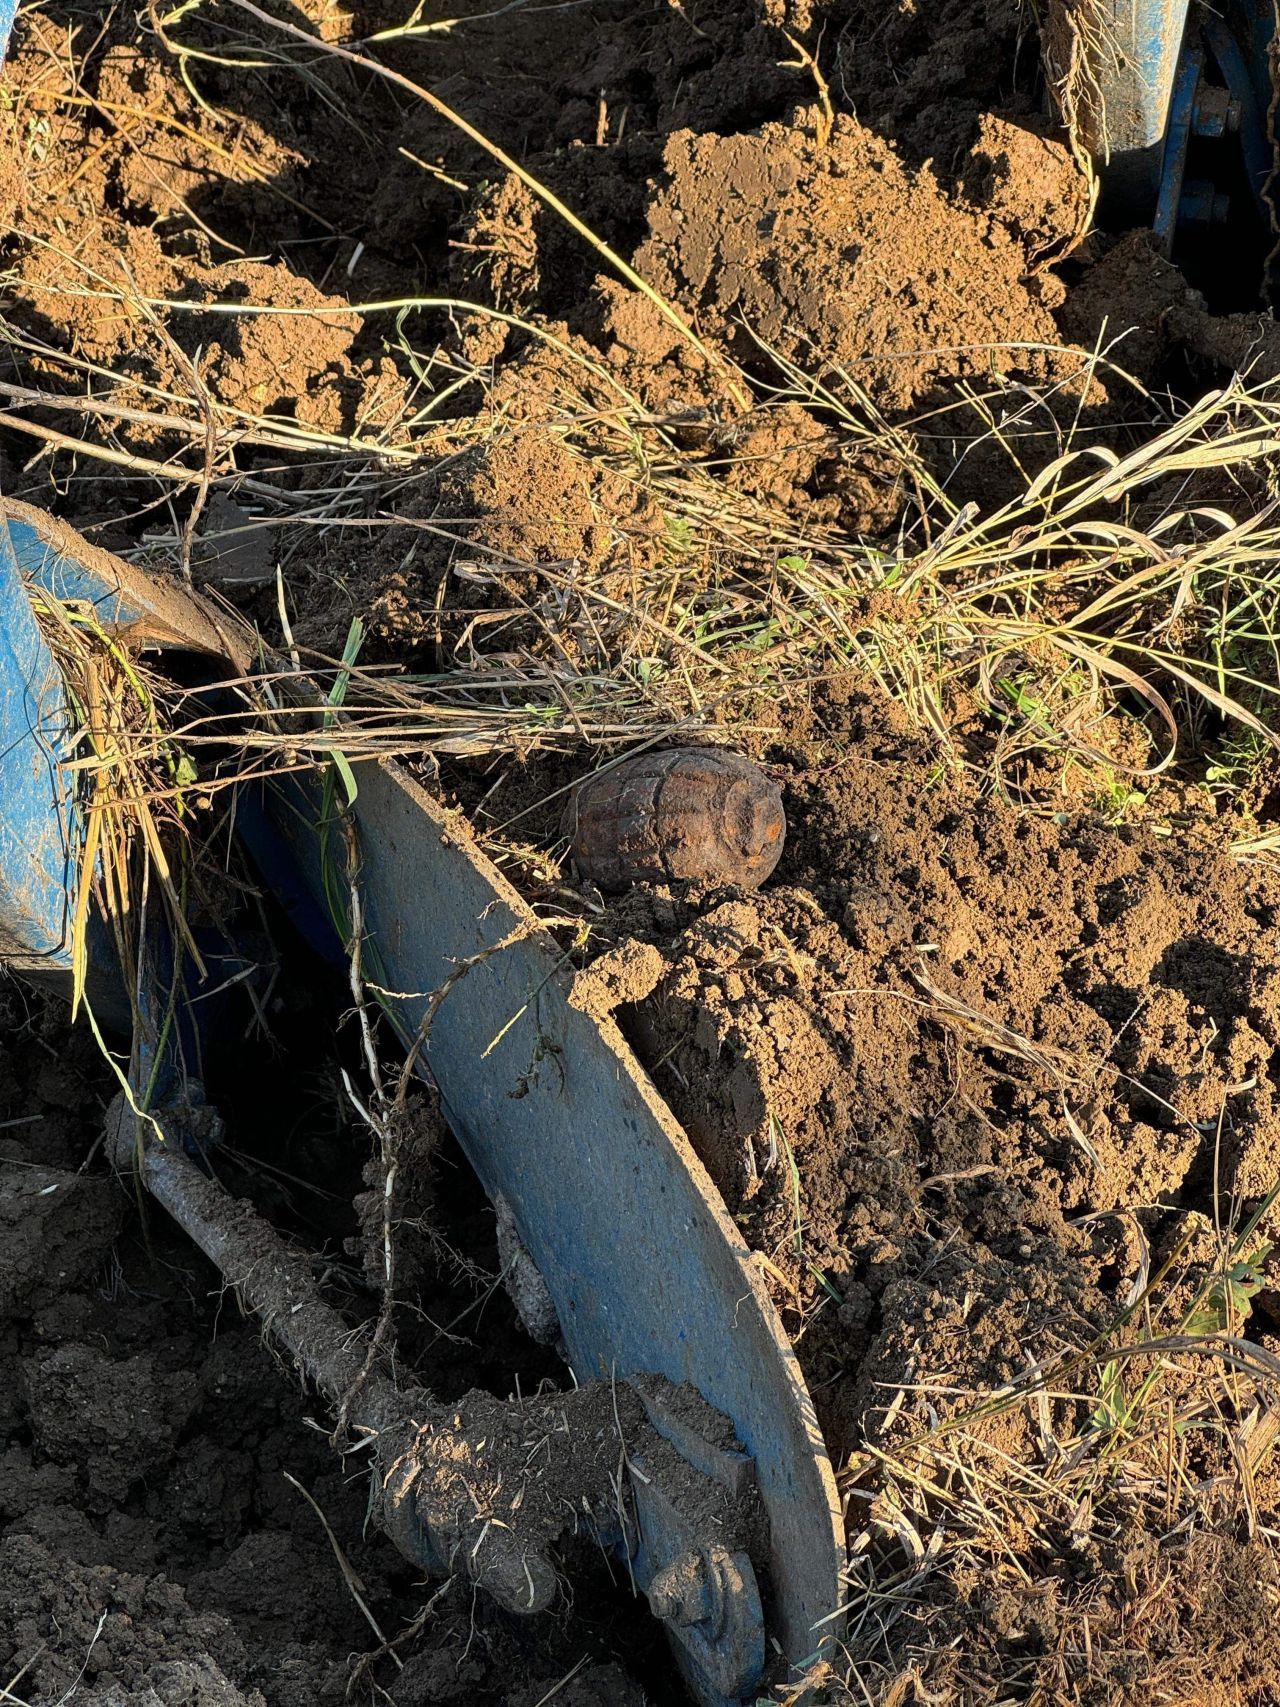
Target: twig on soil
<point>991,1033</point>
<point>350,1575</point>
<point>411,1630</point>
<point>6,1689</point>
<point>381,1116</point>
<point>74,1686</point>
<point>568,1677</point>
<point>805,61</point>
<point>105,453</point>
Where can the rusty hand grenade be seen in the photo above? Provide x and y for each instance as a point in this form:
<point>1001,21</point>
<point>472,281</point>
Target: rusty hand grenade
<point>686,814</point>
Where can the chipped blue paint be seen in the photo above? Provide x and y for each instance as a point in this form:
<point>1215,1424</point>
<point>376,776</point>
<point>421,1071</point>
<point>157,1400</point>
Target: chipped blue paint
<point>38,820</point>
<point>1181,113</point>
<point>1147,57</point>
<point>65,578</point>
<point>39,826</point>
<point>646,1271</point>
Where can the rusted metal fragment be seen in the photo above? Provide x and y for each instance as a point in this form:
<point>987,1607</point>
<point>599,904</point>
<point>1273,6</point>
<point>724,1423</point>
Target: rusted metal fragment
<point>688,814</point>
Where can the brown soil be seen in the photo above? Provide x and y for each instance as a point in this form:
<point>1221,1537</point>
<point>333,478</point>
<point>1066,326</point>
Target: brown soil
<point>970,1027</point>
<point>151,1550</point>
<point>857,257</point>
<point>964,1072</point>
<point>966,1076</point>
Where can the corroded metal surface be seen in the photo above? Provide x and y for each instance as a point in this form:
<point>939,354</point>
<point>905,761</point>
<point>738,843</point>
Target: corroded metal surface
<point>687,814</point>
<point>1119,62</point>
<point>37,825</point>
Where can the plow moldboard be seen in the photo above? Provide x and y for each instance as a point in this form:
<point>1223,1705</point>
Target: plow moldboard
<point>646,1269</point>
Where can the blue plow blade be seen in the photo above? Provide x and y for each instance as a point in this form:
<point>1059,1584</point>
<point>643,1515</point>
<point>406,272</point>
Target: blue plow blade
<point>38,826</point>
<point>41,823</point>
<point>40,829</point>
<point>647,1272</point>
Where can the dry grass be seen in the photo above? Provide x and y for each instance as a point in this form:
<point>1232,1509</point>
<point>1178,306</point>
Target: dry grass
<point>1079,47</point>
<point>135,785</point>
<point>1111,610</point>
<point>980,1567</point>
<point>1146,1447</point>
<point>1077,640</point>
<point>1113,621</point>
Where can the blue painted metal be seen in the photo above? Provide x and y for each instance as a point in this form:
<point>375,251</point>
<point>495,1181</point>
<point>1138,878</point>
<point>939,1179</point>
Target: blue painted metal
<point>39,828</point>
<point>1201,204</point>
<point>40,557</point>
<point>1214,117</point>
<point>1132,50</point>
<point>1147,59</point>
<point>1239,39</point>
<point>645,1268</point>
<point>38,823</point>
<point>8,12</point>
<point>155,611</point>
<point>1243,55</point>
<point>1177,139</point>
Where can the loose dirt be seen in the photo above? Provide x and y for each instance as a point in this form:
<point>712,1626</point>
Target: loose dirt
<point>949,1014</point>
<point>974,1078</point>
<point>855,255</point>
<point>152,1550</point>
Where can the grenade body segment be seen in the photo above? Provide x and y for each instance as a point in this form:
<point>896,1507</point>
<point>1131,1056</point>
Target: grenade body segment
<point>687,814</point>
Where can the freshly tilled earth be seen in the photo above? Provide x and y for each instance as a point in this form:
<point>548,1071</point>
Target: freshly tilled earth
<point>964,1072</point>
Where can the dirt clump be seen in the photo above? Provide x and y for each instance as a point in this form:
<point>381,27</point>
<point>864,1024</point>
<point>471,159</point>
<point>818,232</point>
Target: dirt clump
<point>945,1019</point>
<point>163,169</point>
<point>484,555</point>
<point>495,261</point>
<point>108,1417</point>
<point>153,1552</point>
<point>111,1634</point>
<point>1188,1630</point>
<point>627,974</point>
<point>1135,305</point>
<point>535,499</point>
<point>1028,181</point>
<point>283,361</point>
<point>96,324</point>
<point>585,102</point>
<point>858,260</point>
<point>57,1228</point>
<point>1128,302</point>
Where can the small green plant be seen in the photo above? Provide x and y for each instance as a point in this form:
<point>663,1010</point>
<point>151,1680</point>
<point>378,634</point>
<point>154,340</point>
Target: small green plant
<point>779,1140</point>
<point>1228,1303</point>
<point>1116,798</point>
<point>1238,761</point>
<point>679,535</point>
